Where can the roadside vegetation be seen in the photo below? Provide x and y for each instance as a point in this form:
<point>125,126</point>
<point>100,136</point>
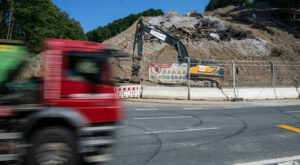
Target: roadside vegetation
<point>34,20</point>
<point>103,33</point>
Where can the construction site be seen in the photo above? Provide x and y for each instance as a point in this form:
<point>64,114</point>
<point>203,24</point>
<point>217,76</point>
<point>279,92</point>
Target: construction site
<point>167,86</point>
<point>221,35</point>
<point>232,34</point>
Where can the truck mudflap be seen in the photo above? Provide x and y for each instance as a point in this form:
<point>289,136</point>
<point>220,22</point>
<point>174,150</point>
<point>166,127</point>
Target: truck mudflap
<point>97,143</point>
<point>10,146</point>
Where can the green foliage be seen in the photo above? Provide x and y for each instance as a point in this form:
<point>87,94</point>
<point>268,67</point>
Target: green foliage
<point>103,33</point>
<point>34,20</point>
<point>215,4</point>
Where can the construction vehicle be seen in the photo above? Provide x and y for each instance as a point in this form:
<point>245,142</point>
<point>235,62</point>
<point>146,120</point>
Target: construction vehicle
<point>69,116</point>
<point>199,71</point>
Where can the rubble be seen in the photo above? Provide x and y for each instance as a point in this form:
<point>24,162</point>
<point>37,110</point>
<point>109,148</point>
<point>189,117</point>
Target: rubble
<point>194,14</point>
<point>216,36</point>
<point>194,27</point>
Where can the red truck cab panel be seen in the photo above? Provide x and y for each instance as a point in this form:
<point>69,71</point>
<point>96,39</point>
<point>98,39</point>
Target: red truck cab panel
<point>94,98</point>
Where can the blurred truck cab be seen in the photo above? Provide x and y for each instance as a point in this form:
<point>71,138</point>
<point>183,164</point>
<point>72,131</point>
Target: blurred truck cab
<point>69,116</point>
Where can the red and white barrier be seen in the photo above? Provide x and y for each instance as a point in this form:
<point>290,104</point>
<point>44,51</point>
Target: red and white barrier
<point>130,91</point>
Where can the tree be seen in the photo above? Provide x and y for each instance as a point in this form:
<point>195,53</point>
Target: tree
<point>34,20</point>
<point>112,29</point>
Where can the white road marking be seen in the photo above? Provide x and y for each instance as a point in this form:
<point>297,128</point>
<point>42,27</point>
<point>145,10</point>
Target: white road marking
<point>167,117</point>
<point>272,161</point>
<point>289,163</point>
<point>292,112</point>
<point>146,109</point>
<point>184,130</point>
<point>191,108</point>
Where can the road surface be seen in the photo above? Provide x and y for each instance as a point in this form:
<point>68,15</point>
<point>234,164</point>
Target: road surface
<point>158,134</point>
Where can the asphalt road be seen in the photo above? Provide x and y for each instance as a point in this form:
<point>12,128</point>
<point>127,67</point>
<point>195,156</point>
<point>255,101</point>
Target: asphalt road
<point>193,135</point>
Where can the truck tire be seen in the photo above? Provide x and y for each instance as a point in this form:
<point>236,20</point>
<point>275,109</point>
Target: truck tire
<point>52,146</point>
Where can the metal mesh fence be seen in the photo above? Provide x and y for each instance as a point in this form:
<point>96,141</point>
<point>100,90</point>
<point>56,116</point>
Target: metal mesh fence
<point>287,74</point>
<point>170,72</point>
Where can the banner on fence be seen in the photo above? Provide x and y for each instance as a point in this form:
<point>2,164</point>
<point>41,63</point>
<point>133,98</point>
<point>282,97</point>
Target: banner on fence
<point>128,91</point>
<point>167,72</point>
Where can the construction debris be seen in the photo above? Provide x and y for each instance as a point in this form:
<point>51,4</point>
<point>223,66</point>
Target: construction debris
<point>194,27</point>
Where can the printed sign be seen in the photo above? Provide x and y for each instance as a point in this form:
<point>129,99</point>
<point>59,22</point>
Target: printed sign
<point>158,35</point>
<point>167,72</point>
<point>201,68</point>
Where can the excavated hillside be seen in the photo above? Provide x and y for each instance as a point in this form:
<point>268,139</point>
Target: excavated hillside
<point>233,33</point>
<point>249,33</point>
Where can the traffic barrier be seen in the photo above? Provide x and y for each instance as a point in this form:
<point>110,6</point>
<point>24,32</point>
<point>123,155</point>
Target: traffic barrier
<point>287,93</point>
<point>256,93</point>
<point>210,94</point>
<point>164,92</point>
<point>159,92</point>
<point>129,91</point>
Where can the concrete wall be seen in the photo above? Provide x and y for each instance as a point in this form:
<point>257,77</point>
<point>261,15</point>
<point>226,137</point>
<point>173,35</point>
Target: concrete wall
<point>219,94</point>
<point>164,92</point>
<point>288,93</point>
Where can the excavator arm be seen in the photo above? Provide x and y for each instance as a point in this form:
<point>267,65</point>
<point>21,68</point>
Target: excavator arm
<point>196,71</point>
<point>145,27</point>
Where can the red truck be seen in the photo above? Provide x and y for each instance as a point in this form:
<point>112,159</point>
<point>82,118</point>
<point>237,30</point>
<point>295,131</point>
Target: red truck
<point>67,117</point>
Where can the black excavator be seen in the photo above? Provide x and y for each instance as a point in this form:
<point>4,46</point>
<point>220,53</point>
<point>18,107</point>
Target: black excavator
<point>199,71</point>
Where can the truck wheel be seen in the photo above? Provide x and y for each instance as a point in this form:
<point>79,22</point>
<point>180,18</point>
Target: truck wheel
<point>52,146</point>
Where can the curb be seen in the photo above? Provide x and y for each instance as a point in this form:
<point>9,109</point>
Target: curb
<point>225,103</point>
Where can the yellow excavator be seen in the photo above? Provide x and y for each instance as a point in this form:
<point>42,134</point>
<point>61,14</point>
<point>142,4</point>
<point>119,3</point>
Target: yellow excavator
<point>199,70</point>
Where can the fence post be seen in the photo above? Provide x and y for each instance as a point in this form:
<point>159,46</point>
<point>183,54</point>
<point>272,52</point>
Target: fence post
<point>144,70</point>
<point>233,77</point>
<point>273,78</point>
<point>237,81</point>
<point>189,80</point>
<point>273,81</point>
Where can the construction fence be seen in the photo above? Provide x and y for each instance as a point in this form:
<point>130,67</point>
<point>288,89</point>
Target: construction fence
<point>170,72</point>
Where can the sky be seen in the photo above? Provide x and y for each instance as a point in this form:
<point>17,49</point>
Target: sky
<point>94,13</point>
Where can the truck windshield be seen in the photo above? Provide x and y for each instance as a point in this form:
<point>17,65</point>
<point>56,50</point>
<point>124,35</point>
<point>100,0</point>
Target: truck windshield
<point>86,67</point>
